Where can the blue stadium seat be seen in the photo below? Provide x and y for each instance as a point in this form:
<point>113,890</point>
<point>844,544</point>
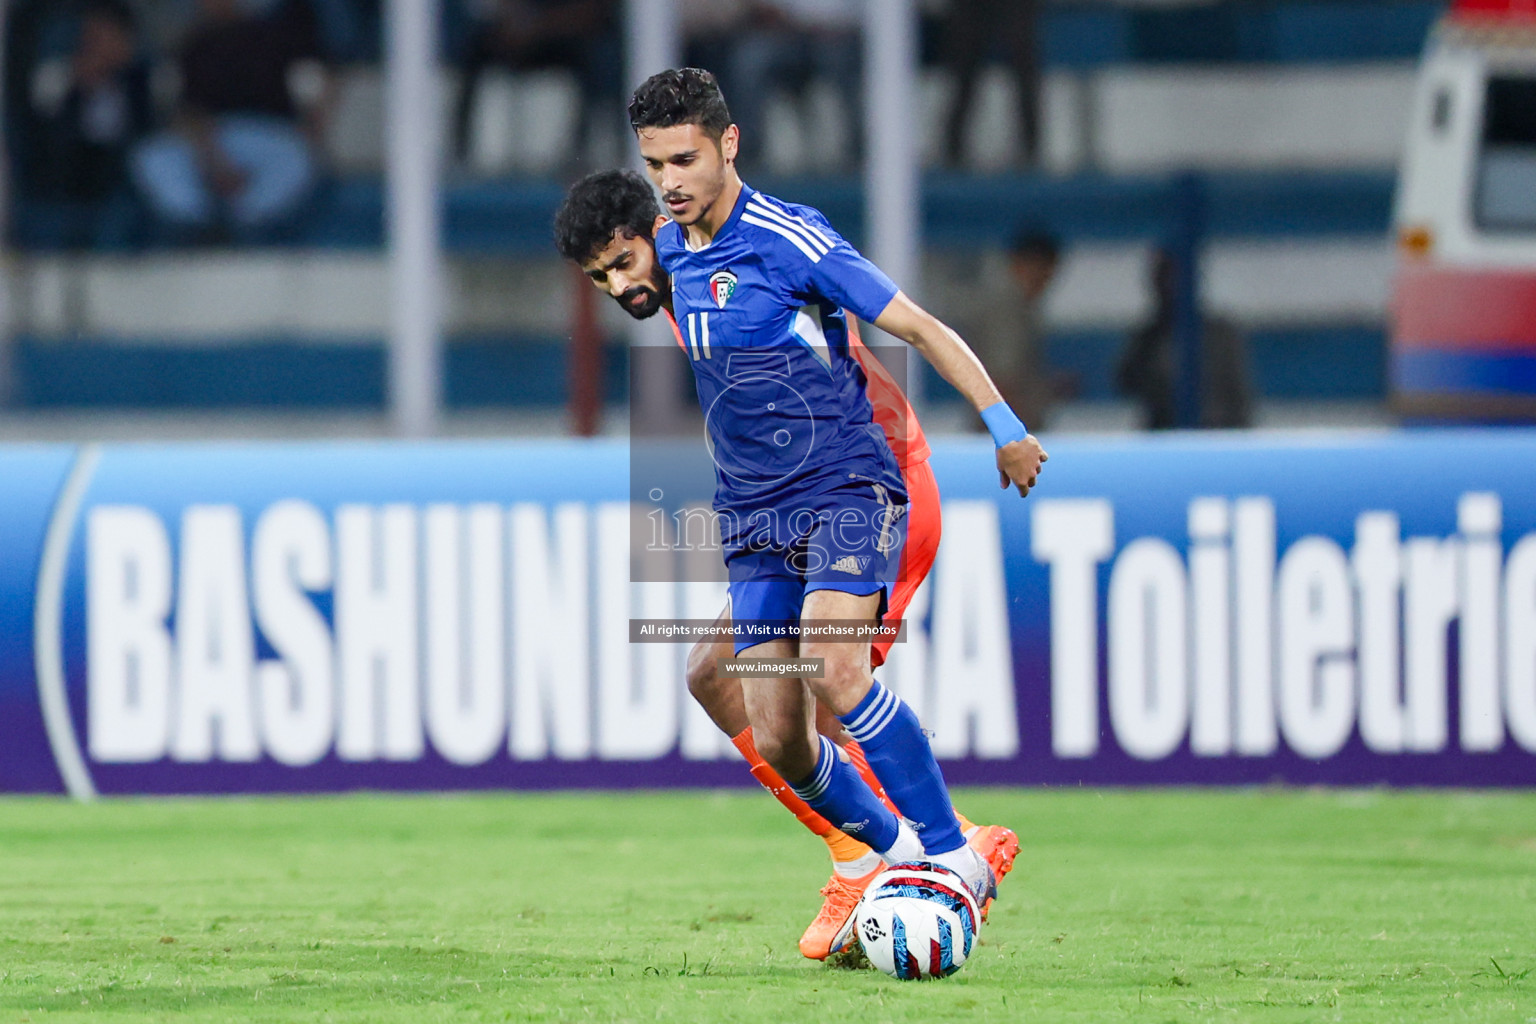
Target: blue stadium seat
<point>1246,30</point>
<point>1320,362</point>
<point>1352,30</point>
<point>288,373</point>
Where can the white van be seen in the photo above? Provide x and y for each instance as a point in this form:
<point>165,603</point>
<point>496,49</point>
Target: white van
<point>1464,309</point>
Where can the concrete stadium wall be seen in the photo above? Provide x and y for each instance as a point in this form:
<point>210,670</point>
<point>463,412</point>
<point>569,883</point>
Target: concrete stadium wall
<point>340,298</point>
<point>1119,118</point>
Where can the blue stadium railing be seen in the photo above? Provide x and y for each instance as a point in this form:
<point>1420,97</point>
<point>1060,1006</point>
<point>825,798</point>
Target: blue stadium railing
<point>512,218</point>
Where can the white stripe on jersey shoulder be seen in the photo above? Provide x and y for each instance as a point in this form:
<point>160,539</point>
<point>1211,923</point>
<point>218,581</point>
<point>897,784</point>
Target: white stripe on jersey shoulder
<point>807,328</point>
<point>779,229</point>
<point>797,226</point>
<point>682,235</point>
<point>806,225</point>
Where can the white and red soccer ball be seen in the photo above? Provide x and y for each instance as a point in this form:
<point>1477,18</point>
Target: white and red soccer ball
<point>917,920</point>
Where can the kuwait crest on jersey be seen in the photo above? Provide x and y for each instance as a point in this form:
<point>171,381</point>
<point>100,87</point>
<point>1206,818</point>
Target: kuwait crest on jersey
<point>722,285</point>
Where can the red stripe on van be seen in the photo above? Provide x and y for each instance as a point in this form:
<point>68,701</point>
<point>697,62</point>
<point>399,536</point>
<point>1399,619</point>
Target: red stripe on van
<point>1464,309</point>
<point>1478,10</point>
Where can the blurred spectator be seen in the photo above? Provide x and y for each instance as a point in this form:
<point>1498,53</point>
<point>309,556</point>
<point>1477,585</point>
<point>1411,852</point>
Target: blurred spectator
<point>348,30</point>
<point>789,44</point>
<point>710,29</point>
<point>1148,369</point>
<point>340,27</point>
<point>578,36</point>
<point>77,121</point>
<point>974,30</point>
<point>1008,329</point>
<point>240,158</point>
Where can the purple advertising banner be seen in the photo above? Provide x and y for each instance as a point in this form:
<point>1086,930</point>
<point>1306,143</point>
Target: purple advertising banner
<point>1327,608</point>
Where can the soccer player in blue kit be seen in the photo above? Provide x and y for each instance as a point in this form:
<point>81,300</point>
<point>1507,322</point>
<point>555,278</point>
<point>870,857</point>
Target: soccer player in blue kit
<point>606,225</point>
<point>809,497</point>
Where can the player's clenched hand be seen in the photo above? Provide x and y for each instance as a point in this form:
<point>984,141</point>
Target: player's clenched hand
<point>1019,464</point>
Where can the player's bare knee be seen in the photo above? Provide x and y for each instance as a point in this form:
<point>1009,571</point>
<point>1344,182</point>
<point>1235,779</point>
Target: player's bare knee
<point>845,676</point>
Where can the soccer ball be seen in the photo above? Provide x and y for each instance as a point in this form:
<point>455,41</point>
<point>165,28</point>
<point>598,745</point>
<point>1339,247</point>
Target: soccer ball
<point>917,920</point>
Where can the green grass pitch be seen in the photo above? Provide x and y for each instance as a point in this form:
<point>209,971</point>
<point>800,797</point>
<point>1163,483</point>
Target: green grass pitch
<point>1150,906</point>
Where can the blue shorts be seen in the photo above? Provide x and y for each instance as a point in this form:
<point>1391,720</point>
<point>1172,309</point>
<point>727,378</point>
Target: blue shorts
<point>850,540</point>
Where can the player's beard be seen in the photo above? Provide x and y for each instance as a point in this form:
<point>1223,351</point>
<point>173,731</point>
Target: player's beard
<point>644,310</point>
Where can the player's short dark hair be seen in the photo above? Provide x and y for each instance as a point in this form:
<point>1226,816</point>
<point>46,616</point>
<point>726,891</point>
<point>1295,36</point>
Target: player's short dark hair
<point>1037,243</point>
<point>597,206</point>
<point>680,96</point>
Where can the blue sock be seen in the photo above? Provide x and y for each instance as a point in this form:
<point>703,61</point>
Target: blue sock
<point>835,791</point>
<point>899,755</point>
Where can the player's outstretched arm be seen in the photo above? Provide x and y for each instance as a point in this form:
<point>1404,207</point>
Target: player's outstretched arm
<point>1019,455</point>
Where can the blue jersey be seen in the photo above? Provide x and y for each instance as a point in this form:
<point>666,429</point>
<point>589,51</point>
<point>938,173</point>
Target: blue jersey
<point>760,312</point>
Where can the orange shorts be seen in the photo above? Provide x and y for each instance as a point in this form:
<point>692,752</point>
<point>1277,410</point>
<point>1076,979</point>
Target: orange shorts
<point>923,528</point>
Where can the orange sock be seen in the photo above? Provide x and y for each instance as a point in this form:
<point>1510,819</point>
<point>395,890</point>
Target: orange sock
<point>861,765</point>
<point>842,846</point>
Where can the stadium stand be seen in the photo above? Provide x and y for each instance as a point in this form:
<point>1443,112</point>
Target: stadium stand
<point>1293,116</point>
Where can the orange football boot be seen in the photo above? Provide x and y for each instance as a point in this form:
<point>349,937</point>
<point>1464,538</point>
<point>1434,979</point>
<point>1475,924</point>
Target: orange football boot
<point>832,930</point>
<point>998,846</point>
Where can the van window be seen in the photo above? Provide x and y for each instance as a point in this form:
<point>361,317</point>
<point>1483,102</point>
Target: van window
<point>1505,199</point>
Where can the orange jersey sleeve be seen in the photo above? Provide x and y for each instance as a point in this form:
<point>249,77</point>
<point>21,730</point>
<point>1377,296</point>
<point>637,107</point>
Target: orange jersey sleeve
<point>677,332</point>
<point>891,409</point>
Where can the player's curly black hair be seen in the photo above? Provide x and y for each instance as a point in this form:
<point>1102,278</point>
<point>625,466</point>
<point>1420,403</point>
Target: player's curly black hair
<point>600,204</point>
<point>680,96</point>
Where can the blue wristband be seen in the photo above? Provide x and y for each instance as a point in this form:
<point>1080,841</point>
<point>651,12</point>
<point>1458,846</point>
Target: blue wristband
<point>1006,428</point>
